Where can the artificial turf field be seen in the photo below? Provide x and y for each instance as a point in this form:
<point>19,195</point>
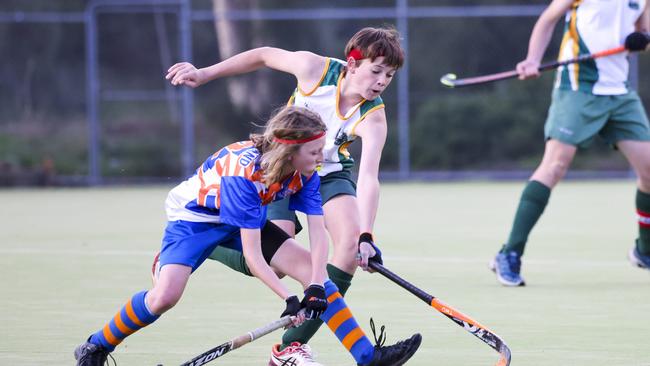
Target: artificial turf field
<point>70,258</point>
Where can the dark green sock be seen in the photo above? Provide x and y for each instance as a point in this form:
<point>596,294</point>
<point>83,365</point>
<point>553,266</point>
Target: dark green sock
<point>531,206</point>
<point>231,258</point>
<point>306,331</point>
<point>643,210</point>
<point>341,279</point>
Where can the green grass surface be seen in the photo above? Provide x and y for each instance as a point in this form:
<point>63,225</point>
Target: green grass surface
<point>70,258</point>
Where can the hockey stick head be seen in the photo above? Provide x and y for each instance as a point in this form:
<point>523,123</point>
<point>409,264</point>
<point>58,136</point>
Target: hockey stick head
<point>448,80</point>
<point>505,356</point>
<point>464,321</point>
<point>451,81</point>
<point>478,330</point>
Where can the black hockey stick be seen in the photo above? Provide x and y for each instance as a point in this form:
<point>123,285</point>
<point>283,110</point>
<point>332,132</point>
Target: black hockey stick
<point>456,316</point>
<point>237,342</point>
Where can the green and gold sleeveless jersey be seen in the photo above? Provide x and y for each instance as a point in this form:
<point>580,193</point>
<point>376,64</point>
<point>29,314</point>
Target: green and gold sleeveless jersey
<point>593,26</point>
<point>324,100</point>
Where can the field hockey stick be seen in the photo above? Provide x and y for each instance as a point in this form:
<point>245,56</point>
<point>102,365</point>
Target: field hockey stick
<point>450,80</point>
<point>456,316</point>
<point>634,42</point>
<point>237,342</point>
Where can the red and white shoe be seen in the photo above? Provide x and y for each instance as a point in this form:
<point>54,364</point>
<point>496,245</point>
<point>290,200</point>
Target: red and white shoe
<point>295,355</point>
<point>155,268</point>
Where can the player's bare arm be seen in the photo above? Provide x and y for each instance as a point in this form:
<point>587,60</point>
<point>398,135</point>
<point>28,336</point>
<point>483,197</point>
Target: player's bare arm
<point>541,37</point>
<point>252,248</point>
<point>373,131</point>
<point>307,67</point>
<point>318,246</point>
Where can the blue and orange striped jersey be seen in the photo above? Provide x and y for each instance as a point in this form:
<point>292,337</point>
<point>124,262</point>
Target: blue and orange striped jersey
<point>227,188</point>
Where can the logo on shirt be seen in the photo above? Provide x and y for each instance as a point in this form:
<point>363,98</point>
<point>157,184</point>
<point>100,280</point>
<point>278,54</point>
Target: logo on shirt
<point>341,138</point>
<point>248,157</point>
<point>633,4</point>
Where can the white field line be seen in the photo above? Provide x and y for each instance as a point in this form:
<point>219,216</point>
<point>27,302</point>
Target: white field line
<point>615,262</point>
<point>89,252</point>
<point>485,260</point>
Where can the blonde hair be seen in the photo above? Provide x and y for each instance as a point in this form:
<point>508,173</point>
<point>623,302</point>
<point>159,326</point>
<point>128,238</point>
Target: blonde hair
<point>377,42</point>
<point>288,123</point>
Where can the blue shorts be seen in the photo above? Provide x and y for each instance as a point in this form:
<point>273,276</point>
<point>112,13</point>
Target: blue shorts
<point>190,243</point>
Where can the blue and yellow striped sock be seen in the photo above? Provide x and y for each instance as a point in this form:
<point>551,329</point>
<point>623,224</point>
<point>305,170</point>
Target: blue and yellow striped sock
<point>133,316</point>
<point>340,320</point>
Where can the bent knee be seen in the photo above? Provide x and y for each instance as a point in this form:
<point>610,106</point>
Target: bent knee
<point>161,302</point>
<point>555,170</point>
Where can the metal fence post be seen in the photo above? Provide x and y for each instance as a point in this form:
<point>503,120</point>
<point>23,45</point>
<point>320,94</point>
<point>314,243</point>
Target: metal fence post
<point>92,90</point>
<point>185,22</point>
<point>403,93</point>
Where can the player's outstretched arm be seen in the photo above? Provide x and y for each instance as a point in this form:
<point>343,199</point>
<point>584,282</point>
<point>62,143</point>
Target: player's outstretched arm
<point>252,248</point>
<point>305,66</point>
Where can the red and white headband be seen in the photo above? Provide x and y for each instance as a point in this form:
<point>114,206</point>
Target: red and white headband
<point>299,141</point>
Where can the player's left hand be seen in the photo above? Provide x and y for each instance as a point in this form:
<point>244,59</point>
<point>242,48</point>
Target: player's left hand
<point>368,251</point>
<point>315,301</point>
<point>637,41</point>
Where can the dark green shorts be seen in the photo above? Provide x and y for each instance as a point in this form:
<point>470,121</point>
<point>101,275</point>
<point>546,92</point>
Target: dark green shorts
<point>576,117</point>
<point>331,185</point>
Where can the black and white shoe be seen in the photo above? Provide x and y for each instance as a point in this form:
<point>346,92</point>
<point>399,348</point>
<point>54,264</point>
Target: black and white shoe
<point>89,354</point>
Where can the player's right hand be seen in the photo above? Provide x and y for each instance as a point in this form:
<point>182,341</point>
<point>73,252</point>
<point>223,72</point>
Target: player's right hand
<point>293,310</point>
<point>637,41</point>
<point>528,69</point>
<point>368,251</point>
<point>184,73</point>
<point>293,306</point>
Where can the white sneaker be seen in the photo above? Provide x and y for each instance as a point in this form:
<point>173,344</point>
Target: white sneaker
<point>295,355</point>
